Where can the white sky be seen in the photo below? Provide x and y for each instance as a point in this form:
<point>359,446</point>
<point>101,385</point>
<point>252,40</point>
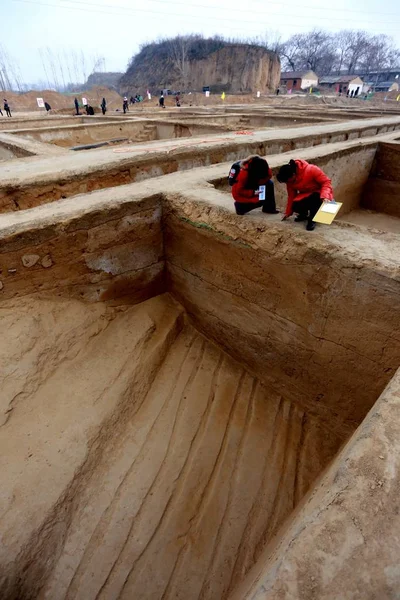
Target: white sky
<point>115,28</point>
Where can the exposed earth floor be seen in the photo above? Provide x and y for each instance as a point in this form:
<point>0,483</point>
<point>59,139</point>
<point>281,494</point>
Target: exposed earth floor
<point>198,405</point>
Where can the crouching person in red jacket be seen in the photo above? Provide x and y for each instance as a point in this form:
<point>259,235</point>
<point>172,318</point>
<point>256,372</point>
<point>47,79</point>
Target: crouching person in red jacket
<point>246,177</point>
<point>308,187</point>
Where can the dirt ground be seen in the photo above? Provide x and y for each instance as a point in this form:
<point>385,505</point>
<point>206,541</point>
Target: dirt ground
<point>190,399</point>
<point>61,103</point>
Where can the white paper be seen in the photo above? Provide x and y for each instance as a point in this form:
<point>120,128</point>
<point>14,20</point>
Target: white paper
<point>84,101</point>
<point>329,207</point>
<point>40,102</point>
<point>207,94</point>
<point>261,195</point>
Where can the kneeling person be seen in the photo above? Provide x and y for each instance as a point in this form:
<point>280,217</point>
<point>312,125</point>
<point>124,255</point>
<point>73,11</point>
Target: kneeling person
<point>307,187</point>
<point>246,177</point>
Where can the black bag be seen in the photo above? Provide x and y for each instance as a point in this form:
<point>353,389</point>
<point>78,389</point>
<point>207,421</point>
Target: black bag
<point>233,173</point>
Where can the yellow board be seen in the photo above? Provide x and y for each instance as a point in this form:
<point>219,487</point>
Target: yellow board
<point>327,212</point>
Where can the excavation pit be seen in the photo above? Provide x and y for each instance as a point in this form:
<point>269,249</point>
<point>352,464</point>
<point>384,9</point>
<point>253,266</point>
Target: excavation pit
<point>196,404</point>
<point>29,184</point>
<point>68,136</point>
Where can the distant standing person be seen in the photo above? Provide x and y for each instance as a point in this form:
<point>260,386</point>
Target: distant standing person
<point>125,105</point>
<point>103,106</point>
<point>162,101</point>
<point>76,106</point>
<point>47,107</point>
<point>7,108</point>
<point>1,112</point>
<point>178,100</point>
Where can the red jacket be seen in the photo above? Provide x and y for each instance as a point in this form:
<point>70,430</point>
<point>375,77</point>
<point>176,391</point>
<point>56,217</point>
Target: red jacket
<point>308,180</point>
<point>239,191</point>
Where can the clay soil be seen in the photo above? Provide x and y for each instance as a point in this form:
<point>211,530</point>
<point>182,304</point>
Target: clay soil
<point>187,471</point>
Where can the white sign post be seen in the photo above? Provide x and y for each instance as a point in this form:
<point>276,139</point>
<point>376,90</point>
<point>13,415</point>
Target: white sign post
<point>207,94</point>
<point>258,94</point>
<point>84,101</point>
<point>40,102</point>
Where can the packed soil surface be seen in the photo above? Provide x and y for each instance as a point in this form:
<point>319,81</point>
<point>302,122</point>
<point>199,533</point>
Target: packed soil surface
<point>153,478</point>
<point>59,102</point>
<point>64,103</point>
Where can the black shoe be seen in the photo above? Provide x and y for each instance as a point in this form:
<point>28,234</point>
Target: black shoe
<point>271,212</point>
<point>310,226</point>
<point>300,218</point>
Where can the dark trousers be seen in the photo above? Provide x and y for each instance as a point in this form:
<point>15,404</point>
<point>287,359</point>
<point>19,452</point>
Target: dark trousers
<point>308,207</point>
<point>268,205</point>
<point>8,111</point>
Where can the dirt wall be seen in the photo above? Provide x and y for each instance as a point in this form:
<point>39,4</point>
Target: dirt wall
<point>69,135</point>
<point>111,253</point>
<point>343,540</point>
<point>73,135</point>
<point>382,190</point>
<point>237,69</point>
<point>7,152</point>
<point>292,312</point>
<point>39,122</point>
<point>79,373</point>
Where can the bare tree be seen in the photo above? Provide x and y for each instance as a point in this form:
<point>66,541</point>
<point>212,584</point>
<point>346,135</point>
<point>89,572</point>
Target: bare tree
<point>179,53</point>
<point>272,40</point>
<point>290,53</point>
<point>83,66</point>
<point>61,69</point>
<point>342,42</point>
<point>380,53</point>
<point>42,58</point>
<point>313,51</point>
<point>66,60</point>
<point>359,41</point>
<point>317,51</point>
<point>8,78</point>
<point>345,51</point>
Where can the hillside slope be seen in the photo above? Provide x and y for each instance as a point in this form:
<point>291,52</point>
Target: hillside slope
<point>190,64</point>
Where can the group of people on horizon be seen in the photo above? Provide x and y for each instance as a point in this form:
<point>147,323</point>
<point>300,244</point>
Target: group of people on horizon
<point>89,108</point>
<point>161,100</point>
<point>307,188</point>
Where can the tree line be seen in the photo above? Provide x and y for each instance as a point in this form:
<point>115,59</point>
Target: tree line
<point>345,52</point>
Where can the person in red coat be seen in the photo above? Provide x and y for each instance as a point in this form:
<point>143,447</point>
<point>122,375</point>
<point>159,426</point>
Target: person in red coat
<point>252,172</point>
<point>307,186</point>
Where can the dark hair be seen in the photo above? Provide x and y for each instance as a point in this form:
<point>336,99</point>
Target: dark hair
<point>258,169</point>
<point>286,172</point>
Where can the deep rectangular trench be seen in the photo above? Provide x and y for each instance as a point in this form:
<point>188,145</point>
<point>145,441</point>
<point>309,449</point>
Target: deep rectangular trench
<point>58,182</point>
<point>165,471</point>
<point>155,450</point>
<point>136,131</point>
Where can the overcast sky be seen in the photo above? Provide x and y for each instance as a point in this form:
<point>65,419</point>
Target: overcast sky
<point>115,28</point>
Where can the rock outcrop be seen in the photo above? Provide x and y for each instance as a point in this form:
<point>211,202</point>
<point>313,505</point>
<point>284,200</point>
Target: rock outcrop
<point>222,66</point>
